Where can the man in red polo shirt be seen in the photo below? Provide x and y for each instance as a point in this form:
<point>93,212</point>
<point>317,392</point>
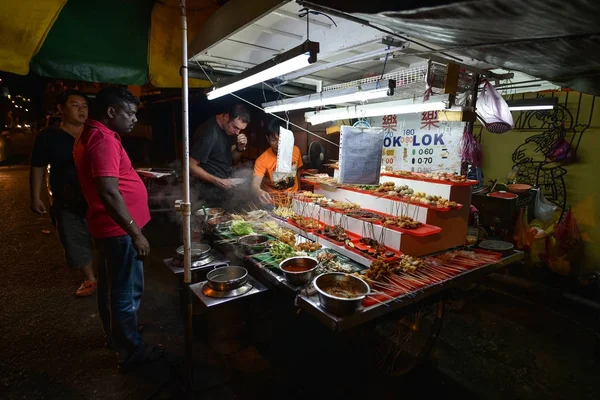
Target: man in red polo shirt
<point>117,212</point>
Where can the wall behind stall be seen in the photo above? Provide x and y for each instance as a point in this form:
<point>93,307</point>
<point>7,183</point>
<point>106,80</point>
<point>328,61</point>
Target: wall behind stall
<point>582,182</point>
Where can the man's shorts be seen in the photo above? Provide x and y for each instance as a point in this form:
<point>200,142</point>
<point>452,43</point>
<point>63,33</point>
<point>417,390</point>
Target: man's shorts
<point>75,237</point>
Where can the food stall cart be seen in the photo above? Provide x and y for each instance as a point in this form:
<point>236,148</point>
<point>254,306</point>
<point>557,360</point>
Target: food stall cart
<point>407,267</point>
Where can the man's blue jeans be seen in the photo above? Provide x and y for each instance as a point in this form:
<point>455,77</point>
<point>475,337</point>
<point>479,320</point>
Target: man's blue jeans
<point>120,289</point>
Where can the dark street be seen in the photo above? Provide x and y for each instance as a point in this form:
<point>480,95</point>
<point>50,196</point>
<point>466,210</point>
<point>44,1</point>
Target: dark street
<point>497,342</point>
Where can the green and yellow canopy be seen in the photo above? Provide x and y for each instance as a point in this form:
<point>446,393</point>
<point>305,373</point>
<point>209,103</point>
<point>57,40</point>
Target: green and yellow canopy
<point>129,42</point>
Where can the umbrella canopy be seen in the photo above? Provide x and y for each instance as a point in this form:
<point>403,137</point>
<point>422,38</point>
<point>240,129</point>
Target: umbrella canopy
<point>110,41</point>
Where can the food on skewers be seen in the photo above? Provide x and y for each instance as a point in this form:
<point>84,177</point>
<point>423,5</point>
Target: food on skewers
<point>346,206</point>
<point>306,222</point>
<point>336,233</point>
<point>446,176</point>
<point>281,251</point>
<point>286,236</point>
<point>284,212</point>
<point>380,269</point>
<point>373,248</point>
<point>403,221</point>
<point>310,195</point>
<point>327,263</point>
<point>364,215</point>
<point>410,264</point>
<point>432,200</point>
<point>404,190</point>
<point>308,246</point>
<point>402,173</point>
<point>386,187</point>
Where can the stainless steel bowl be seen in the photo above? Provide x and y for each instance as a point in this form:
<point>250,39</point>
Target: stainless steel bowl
<point>227,278</point>
<point>303,277</point>
<point>254,244</point>
<point>340,306</point>
<point>207,213</point>
<point>218,224</point>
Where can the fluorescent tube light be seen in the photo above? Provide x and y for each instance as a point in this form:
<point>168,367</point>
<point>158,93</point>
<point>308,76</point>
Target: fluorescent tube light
<point>292,60</point>
<point>370,91</point>
<point>407,106</point>
<point>540,103</point>
<point>530,108</point>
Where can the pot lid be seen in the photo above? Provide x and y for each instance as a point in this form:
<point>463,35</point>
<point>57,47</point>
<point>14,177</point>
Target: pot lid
<point>503,195</point>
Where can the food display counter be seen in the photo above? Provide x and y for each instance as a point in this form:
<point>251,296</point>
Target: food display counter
<point>390,240</point>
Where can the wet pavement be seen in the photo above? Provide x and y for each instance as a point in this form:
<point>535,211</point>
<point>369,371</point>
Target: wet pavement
<point>496,342</point>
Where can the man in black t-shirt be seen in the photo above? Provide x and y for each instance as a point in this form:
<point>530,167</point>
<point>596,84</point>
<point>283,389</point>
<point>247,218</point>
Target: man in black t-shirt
<point>217,144</point>
<point>54,147</point>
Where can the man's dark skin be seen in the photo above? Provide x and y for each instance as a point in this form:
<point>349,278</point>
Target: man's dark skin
<point>121,119</point>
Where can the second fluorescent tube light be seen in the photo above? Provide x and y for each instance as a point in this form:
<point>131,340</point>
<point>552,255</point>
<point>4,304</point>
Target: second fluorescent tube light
<point>407,106</point>
<point>541,103</point>
<point>370,91</point>
<point>292,60</point>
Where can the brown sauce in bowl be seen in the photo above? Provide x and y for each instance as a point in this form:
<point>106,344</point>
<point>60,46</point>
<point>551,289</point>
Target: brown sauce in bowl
<point>297,268</point>
<point>342,289</point>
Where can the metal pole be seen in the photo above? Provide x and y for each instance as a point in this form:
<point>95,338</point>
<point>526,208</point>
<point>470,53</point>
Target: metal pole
<point>185,205</point>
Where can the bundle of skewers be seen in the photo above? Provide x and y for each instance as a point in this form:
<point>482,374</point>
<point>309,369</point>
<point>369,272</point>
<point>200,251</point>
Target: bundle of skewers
<point>409,275</point>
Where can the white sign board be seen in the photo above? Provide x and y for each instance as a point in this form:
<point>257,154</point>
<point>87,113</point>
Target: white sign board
<point>419,142</point>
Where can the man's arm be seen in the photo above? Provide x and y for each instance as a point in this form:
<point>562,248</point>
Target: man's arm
<point>197,171</point>
<point>36,182</point>
<point>108,191</point>
<point>239,147</point>
<point>263,196</point>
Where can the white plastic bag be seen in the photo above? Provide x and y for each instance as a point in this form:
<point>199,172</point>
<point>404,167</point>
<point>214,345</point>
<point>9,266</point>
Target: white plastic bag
<point>493,111</point>
<point>543,209</point>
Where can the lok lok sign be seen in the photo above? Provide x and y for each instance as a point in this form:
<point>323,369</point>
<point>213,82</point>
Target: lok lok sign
<point>419,142</point>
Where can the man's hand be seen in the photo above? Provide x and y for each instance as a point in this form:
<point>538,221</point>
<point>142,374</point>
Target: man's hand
<point>224,183</point>
<point>264,197</point>
<point>141,245</point>
<point>242,142</point>
<point>38,207</point>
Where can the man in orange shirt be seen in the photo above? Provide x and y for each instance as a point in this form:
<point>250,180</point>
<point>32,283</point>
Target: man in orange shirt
<point>265,165</point>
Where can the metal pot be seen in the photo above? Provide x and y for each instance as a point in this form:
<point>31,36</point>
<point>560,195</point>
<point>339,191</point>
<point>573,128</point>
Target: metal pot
<point>254,244</point>
<point>227,278</point>
<point>338,305</point>
<point>198,251</point>
<point>308,264</point>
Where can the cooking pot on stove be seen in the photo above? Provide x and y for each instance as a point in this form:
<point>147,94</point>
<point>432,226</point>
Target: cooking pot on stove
<point>227,278</point>
<point>198,251</point>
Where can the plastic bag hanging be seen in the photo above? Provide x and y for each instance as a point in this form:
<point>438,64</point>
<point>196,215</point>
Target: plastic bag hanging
<point>543,209</point>
<point>493,111</point>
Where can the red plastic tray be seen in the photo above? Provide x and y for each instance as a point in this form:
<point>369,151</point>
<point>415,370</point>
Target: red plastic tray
<point>423,230</point>
<point>356,241</point>
<point>400,199</point>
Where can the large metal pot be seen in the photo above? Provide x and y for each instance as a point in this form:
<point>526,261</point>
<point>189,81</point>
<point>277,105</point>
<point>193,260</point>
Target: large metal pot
<point>227,278</point>
<point>340,306</point>
<point>254,244</point>
<point>299,270</point>
<point>198,251</point>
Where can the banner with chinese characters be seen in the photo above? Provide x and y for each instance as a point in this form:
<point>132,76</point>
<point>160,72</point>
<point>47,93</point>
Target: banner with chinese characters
<point>419,142</point>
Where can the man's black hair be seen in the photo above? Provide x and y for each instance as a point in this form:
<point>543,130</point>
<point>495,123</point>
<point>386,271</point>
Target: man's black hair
<point>239,111</point>
<point>111,97</point>
<point>273,127</point>
<point>64,96</point>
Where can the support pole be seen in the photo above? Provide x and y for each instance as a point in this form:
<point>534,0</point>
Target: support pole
<point>184,206</point>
